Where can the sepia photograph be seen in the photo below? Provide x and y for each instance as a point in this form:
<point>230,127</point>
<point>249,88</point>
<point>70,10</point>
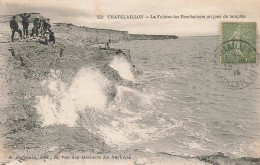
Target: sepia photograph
<point>129,82</point>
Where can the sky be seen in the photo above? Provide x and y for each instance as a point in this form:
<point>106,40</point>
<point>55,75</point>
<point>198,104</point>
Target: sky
<point>84,13</point>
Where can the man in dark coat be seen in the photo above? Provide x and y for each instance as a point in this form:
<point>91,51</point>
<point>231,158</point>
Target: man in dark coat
<point>15,28</point>
<point>36,26</point>
<point>46,25</point>
<point>25,23</point>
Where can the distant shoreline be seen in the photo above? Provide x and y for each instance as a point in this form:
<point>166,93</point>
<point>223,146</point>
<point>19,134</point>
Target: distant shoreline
<point>127,35</point>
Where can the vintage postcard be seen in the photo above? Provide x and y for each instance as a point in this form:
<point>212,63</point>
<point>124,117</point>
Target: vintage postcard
<point>129,82</point>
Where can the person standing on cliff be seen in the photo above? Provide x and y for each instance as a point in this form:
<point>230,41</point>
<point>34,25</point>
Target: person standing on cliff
<point>15,28</point>
<point>25,23</point>
<point>41,27</point>
<point>36,27</point>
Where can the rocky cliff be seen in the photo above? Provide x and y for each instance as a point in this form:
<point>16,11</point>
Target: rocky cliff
<point>88,36</point>
<point>100,36</point>
<point>34,76</point>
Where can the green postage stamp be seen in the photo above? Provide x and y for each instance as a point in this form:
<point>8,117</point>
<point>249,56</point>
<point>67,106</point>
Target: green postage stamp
<point>238,42</point>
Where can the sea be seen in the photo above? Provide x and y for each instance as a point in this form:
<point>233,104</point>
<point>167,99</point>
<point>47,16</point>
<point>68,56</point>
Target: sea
<point>182,108</point>
<point>176,105</point>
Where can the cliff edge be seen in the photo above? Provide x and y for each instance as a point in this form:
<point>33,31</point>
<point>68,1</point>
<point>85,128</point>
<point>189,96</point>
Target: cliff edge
<point>46,90</point>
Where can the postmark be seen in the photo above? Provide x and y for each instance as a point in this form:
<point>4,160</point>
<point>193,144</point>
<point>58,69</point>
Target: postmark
<point>236,58</point>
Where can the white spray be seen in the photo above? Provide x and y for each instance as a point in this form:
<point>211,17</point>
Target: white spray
<point>123,67</point>
<point>64,103</point>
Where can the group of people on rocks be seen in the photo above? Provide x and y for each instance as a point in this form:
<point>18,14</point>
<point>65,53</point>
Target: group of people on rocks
<point>41,28</point>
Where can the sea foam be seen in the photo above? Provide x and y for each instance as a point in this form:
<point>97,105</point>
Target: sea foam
<point>64,102</point>
<point>123,67</point>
